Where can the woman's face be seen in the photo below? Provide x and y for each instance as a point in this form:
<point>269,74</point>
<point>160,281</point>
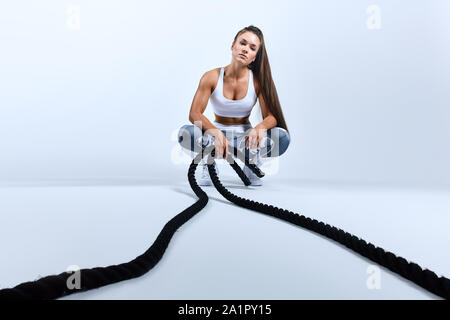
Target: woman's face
<point>245,48</point>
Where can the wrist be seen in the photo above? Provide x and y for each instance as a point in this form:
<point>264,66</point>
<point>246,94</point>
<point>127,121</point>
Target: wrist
<point>261,126</point>
<point>215,132</point>
<point>218,133</point>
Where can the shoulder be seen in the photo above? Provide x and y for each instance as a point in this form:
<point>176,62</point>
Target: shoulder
<point>210,78</point>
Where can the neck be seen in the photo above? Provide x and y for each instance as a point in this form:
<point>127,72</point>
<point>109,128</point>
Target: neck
<point>236,70</point>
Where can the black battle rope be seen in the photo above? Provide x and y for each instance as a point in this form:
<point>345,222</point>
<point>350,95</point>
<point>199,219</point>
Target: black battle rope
<point>52,287</point>
<point>425,278</point>
<point>55,286</point>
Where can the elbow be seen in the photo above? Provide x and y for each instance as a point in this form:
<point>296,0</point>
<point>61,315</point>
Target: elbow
<point>193,117</point>
<point>275,121</point>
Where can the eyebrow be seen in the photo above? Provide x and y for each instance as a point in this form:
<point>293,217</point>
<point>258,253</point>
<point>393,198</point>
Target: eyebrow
<point>252,44</point>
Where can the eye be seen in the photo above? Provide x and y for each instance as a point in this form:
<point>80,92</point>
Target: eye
<point>243,43</point>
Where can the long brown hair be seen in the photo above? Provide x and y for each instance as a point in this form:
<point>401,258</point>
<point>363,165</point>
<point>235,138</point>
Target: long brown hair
<point>261,69</point>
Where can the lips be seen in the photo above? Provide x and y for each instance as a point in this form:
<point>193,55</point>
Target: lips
<point>243,55</point>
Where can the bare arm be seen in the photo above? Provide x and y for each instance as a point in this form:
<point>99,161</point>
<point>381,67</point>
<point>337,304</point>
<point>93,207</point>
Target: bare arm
<point>196,116</point>
<point>257,134</point>
<point>269,120</point>
<point>200,102</point>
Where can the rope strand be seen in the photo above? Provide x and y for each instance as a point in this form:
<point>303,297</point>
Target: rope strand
<point>409,270</point>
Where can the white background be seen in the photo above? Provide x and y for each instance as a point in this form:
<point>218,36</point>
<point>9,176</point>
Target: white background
<point>103,100</point>
<point>96,106</point>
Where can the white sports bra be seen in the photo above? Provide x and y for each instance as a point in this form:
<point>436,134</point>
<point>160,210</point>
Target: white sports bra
<point>233,108</point>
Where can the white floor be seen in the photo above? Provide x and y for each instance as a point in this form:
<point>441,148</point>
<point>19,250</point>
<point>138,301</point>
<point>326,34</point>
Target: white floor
<point>224,252</point>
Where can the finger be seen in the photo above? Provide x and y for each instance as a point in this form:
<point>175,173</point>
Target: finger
<point>219,152</point>
<point>227,148</point>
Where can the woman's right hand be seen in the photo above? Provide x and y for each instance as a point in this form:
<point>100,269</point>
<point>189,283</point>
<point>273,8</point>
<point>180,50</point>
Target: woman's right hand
<point>221,143</point>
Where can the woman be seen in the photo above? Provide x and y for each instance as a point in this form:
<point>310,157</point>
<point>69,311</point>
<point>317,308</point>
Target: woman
<point>233,91</point>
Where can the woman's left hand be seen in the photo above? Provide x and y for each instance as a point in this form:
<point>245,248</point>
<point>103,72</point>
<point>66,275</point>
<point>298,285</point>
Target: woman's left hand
<point>254,137</point>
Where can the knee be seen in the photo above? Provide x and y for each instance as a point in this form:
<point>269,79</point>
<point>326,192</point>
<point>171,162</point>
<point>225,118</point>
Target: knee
<point>189,132</point>
<point>185,132</point>
<point>285,140</point>
<point>190,137</point>
<point>284,136</point>
<point>280,138</point>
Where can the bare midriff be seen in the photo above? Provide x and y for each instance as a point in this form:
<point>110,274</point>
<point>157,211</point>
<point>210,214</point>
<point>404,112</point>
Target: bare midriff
<point>231,121</point>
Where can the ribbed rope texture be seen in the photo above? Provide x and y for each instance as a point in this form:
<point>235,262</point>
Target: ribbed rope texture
<point>55,286</point>
<point>409,270</point>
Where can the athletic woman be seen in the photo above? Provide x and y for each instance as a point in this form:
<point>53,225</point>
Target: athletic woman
<point>233,91</point>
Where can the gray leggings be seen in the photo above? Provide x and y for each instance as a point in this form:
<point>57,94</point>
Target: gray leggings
<point>275,142</point>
